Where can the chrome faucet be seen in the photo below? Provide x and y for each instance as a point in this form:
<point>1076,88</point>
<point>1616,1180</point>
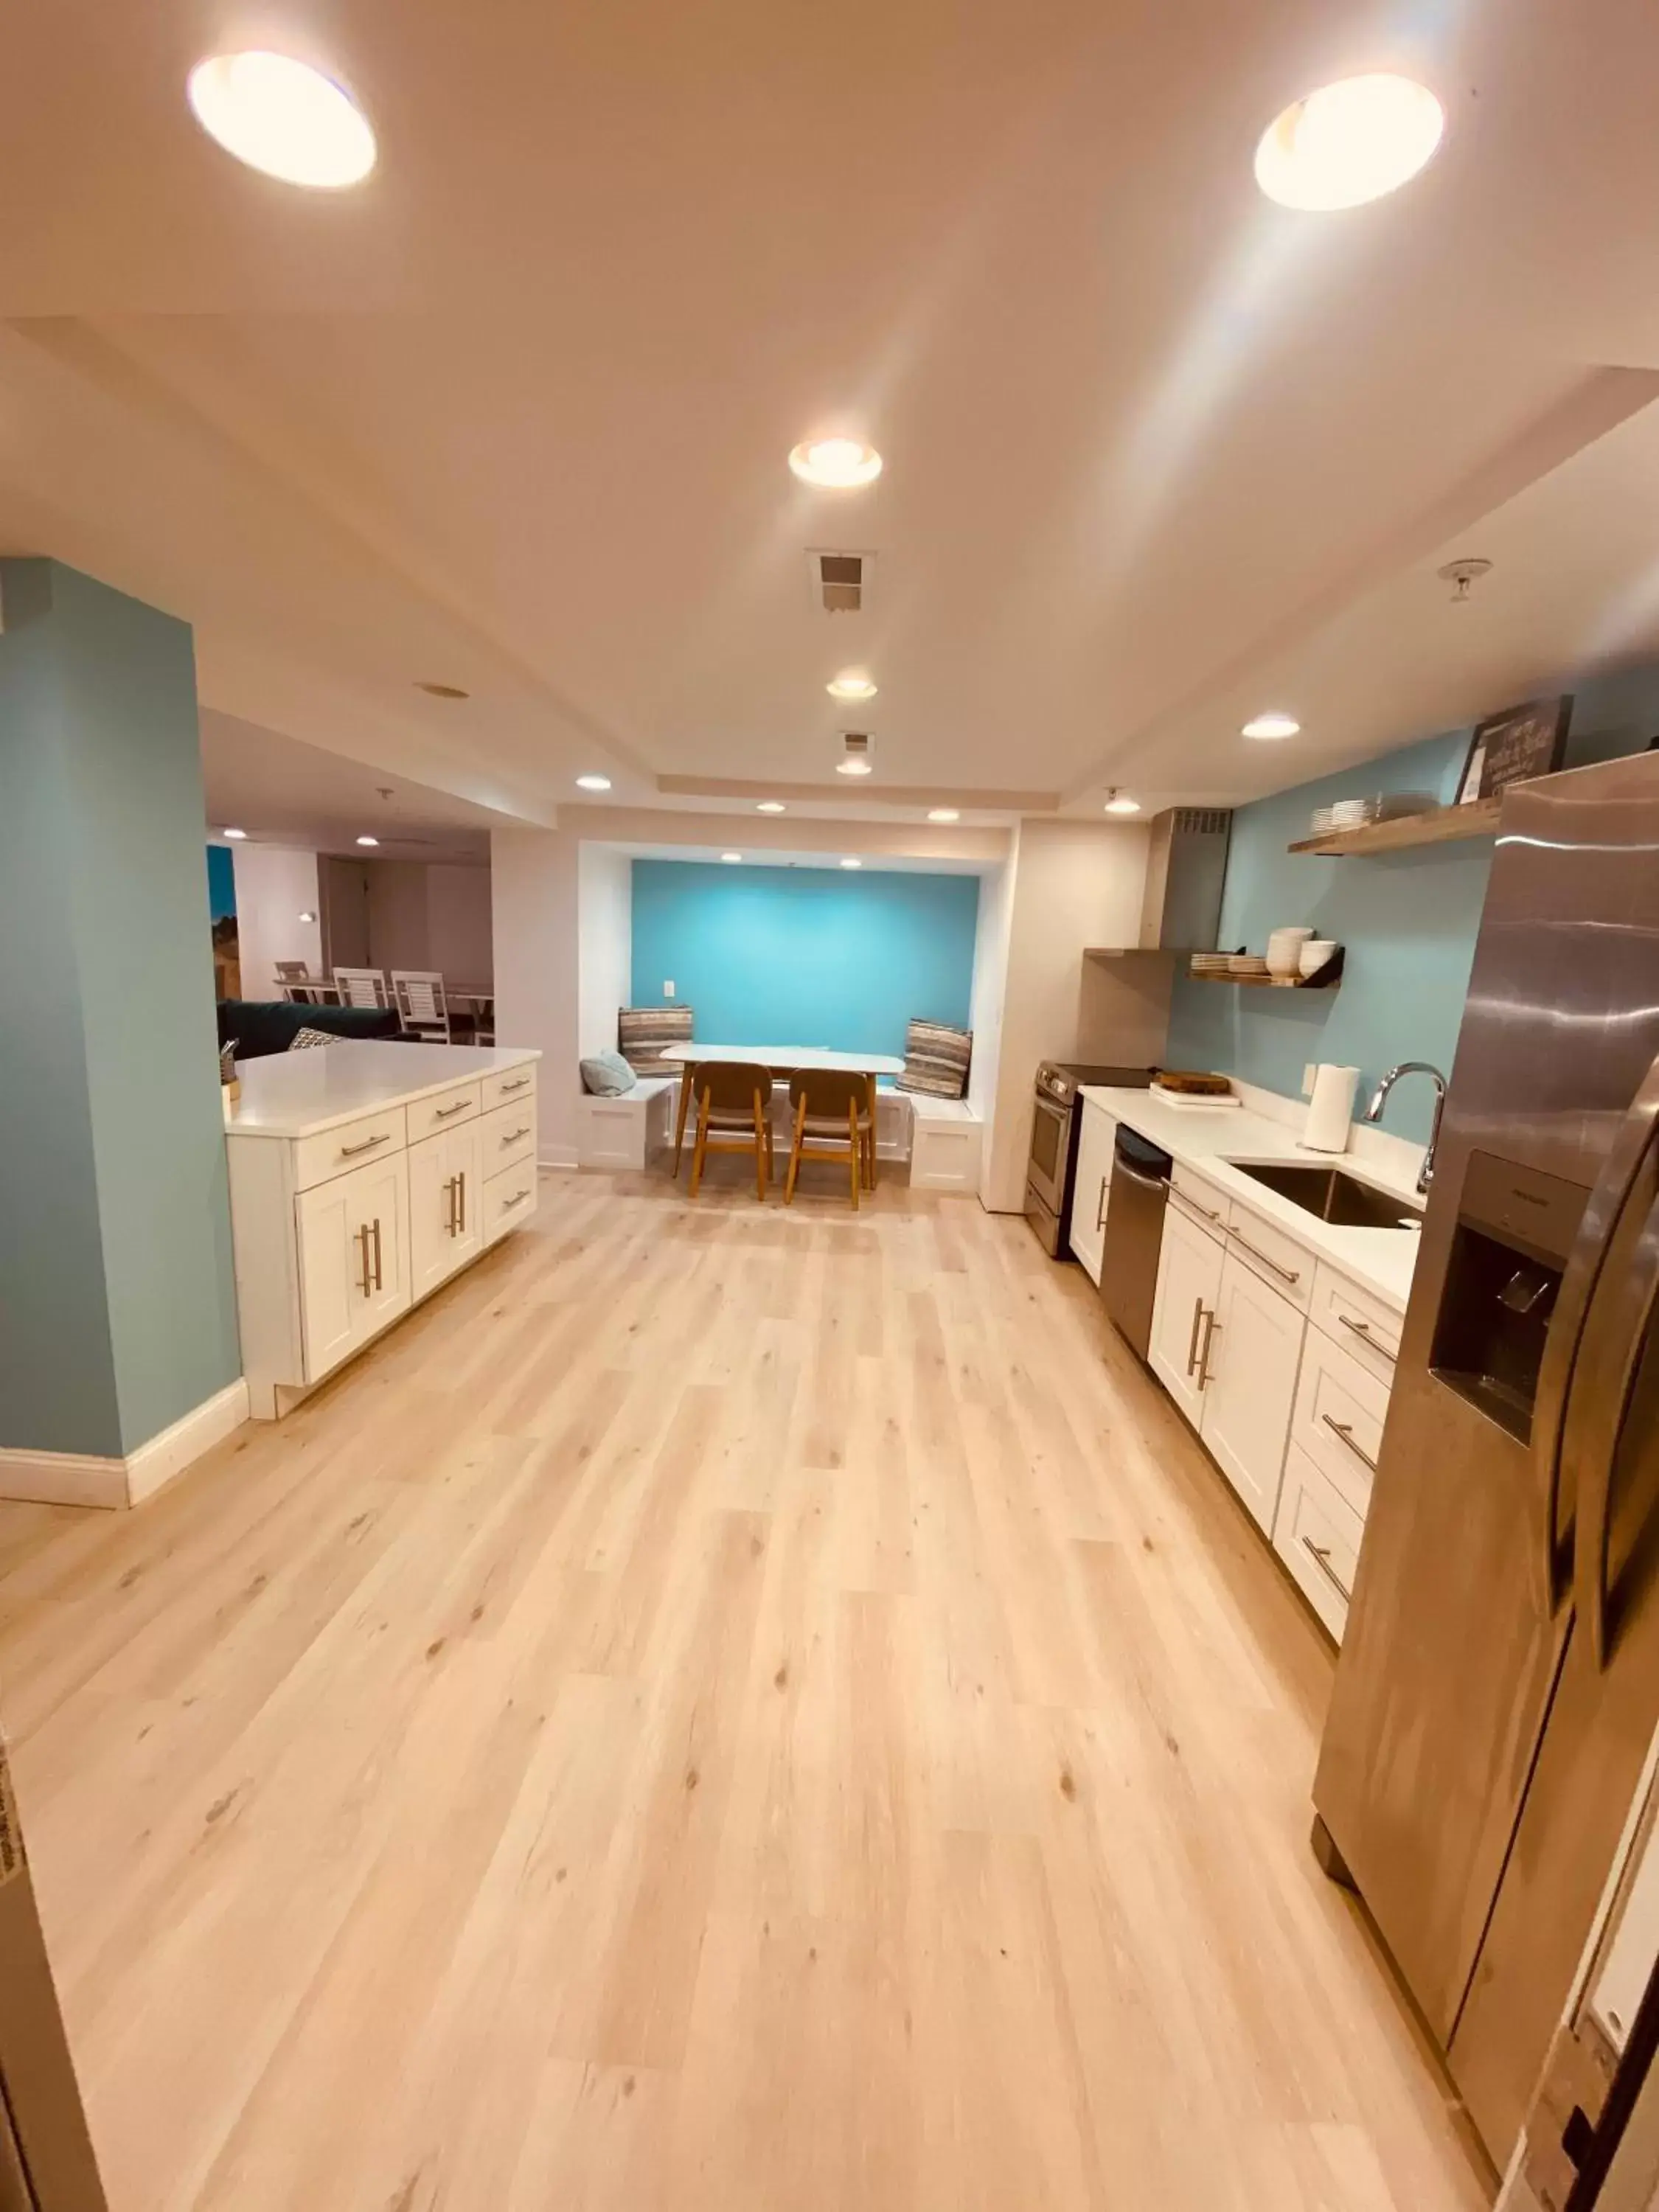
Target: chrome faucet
<point>1379,1097</point>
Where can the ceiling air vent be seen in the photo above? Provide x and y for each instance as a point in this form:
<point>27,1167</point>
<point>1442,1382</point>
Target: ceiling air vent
<point>857,747</point>
<point>840,581</point>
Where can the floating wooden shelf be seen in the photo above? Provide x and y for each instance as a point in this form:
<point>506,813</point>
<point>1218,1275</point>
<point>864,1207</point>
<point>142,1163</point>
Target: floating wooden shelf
<point>1478,820</point>
<point>1323,979</point>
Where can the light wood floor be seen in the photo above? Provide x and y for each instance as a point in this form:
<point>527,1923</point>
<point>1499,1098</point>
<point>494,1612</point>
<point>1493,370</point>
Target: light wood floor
<point>727,1711</point>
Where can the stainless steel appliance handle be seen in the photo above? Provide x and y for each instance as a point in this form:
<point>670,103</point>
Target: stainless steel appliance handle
<point>1100,1208</point>
<point>1209,1212</point>
<point>1321,1556</point>
<point>1121,1166</point>
<point>1192,1345</point>
<point>1286,1274</point>
<point>1609,1355</point>
<point>1363,1330</point>
<point>1205,1378</point>
<point>1602,1213</point>
<point>1345,1430</point>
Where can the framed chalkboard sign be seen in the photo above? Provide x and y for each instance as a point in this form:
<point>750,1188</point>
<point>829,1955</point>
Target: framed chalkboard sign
<point>1511,747</point>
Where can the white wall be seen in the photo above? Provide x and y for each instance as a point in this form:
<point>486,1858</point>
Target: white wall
<point>1072,885</point>
<point>459,933</point>
<point>274,885</point>
<point>996,905</point>
<point>604,923</point>
<point>399,935</point>
<point>534,893</point>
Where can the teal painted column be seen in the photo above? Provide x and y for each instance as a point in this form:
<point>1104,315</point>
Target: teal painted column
<point>117,1299</point>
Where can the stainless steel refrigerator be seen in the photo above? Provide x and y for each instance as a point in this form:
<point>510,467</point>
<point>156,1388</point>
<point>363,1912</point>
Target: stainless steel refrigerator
<point>1499,1682</point>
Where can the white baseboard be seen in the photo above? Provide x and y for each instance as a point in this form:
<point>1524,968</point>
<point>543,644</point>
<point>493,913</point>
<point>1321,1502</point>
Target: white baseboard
<point>557,1156</point>
<point>76,1479</point>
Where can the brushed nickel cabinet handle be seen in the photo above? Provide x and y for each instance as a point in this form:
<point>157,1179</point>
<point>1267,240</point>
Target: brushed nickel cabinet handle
<point>1100,1208</point>
<point>449,1210</point>
<point>448,1113</point>
<point>523,1083</point>
<point>379,1281</point>
<point>517,1199</point>
<point>1321,1556</point>
<point>1192,1341</point>
<point>514,1135</point>
<point>1286,1274</point>
<point>1345,1430</point>
<point>361,1239</point>
<point>350,1152</point>
<point>461,1182</point>
<point>1211,1330</point>
<point>1362,1329</point>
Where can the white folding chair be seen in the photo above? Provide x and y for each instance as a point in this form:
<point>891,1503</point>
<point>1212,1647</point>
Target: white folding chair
<point>419,998</point>
<point>362,987</point>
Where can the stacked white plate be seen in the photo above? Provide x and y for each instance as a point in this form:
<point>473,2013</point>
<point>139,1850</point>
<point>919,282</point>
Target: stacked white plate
<point>1383,806</point>
<point>1246,964</point>
<point>1210,963</point>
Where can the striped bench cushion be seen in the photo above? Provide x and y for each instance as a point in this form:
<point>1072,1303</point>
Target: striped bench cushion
<point>936,1059</point>
<point>642,1032</point>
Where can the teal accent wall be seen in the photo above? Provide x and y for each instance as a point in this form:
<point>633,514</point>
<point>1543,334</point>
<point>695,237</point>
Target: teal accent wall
<point>805,956</point>
<point>117,1304</point>
<point>222,883</point>
<point>1408,920</point>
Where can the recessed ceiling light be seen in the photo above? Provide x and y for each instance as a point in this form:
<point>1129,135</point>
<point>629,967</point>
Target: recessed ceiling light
<point>368,841</point>
<point>592,783</point>
<point>1119,802</point>
<point>1349,143</point>
<point>732,858</point>
<point>1271,725</point>
<point>442,690</point>
<point>944,814</point>
<point>769,806</point>
<point>852,767</point>
<point>851,683</point>
<point>284,118</point>
<point>233,833</point>
<point>835,464</point>
<point>852,863</point>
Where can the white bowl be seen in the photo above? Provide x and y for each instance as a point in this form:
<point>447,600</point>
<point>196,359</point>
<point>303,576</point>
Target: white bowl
<point>1315,953</point>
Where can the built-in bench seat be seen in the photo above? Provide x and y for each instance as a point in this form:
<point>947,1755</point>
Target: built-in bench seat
<point>629,1131</point>
<point>945,1135</point>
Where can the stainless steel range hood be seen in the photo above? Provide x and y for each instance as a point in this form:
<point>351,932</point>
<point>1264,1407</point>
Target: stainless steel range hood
<point>1186,869</point>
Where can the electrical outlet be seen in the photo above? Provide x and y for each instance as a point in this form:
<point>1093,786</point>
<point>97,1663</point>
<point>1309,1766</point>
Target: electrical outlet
<point>668,990</point>
<point>1308,1074</point>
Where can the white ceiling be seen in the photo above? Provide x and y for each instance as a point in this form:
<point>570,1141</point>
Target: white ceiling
<point>514,415</point>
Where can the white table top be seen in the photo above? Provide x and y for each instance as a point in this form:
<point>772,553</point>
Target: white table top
<point>1381,1260</point>
<point>791,1056</point>
<point>293,1094</point>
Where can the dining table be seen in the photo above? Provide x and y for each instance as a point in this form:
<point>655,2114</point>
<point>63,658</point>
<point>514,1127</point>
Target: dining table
<point>784,1060</point>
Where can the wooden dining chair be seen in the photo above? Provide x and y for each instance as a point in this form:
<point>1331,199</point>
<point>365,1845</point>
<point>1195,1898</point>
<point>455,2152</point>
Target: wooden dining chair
<point>830,1119</point>
<point>734,1115</point>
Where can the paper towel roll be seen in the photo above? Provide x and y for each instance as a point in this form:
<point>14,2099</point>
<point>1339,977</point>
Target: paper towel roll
<point>1330,1109</point>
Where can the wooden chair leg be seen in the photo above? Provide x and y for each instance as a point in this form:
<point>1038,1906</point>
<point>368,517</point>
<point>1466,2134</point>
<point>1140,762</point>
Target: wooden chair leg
<point>871,1083</point>
<point>760,1152</point>
<point>794,1153</point>
<point>679,1124</point>
<point>699,1150</point>
<point>854,1152</point>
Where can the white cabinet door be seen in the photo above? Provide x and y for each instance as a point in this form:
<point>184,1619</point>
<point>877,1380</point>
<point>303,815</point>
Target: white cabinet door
<point>1255,1355</point>
<point>1087,1233</point>
<point>353,1260</point>
<point>1189,1264</point>
<point>446,1206</point>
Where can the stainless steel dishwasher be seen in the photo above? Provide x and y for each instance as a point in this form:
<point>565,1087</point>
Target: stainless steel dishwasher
<point>1134,1235</point>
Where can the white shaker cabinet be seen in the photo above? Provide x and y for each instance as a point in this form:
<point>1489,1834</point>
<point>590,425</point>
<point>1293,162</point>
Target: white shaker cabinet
<point>1255,1354</point>
<point>1087,1231</point>
<point>446,1205</point>
<point>1184,1309</point>
<point>354,1258</point>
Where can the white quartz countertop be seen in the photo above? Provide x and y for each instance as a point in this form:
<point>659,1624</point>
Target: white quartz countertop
<point>293,1094</point>
<point>1211,1140</point>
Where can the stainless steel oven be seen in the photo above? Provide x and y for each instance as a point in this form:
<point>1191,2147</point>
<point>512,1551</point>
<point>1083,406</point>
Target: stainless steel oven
<point>1056,1114</point>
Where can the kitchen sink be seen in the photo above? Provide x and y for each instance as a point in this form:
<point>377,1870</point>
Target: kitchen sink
<point>1333,1195</point>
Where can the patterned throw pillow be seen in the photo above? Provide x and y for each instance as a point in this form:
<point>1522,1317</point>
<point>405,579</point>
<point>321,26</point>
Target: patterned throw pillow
<point>642,1032</point>
<point>936,1059</point>
<point>227,1061</point>
<point>302,1040</point>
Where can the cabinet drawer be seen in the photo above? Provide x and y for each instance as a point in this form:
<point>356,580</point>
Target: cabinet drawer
<point>1340,1407</point>
<point>444,1109</point>
<point>1317,1534</point>
<point>512,1083</point>
<point>1206,1204</point>
<point>336,1151</point>
<point>1359,1321</point>
<point>508,1135</point>
<point>1277,1258</point>
<point>508,1200</point>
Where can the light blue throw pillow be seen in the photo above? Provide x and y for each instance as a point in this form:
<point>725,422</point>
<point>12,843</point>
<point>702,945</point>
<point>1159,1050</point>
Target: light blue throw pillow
<point>607,1075</point>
